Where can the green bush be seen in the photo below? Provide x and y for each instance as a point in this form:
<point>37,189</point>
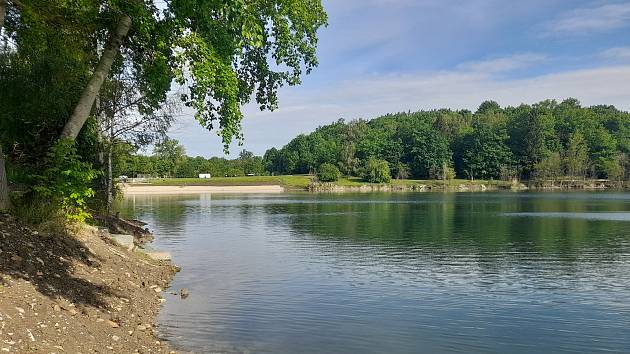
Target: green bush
<point>377,171</point>
<point>328,173</point>
<point>66,181</point>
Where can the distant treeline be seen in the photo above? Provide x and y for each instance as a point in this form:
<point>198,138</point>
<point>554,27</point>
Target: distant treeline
<point>169,160</point>
<point>546,140</point>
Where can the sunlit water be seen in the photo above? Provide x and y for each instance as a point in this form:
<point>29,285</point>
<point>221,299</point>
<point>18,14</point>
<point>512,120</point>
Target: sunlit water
<point>395,273</point>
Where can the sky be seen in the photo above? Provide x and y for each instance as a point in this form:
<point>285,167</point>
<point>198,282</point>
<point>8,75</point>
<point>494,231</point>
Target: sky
<point>386,56</point>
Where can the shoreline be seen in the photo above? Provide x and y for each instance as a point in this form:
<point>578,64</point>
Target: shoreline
<point>414,187</point>
<point>77,292</point>
<point>131,189</point>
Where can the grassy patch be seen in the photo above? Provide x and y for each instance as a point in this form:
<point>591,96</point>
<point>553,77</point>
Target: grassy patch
<point>297,181</point>
<point>302,181</point>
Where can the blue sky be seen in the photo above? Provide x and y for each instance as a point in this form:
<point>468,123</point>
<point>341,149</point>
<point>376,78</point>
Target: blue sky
<point>382,56</point>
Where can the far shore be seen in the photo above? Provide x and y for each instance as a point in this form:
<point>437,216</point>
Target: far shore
<point>129,189</point>
<point>280,184</point>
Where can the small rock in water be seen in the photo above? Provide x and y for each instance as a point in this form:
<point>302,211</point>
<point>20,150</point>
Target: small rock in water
<point>184,293</point>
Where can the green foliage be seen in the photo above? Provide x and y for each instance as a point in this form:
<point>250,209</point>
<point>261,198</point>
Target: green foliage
<point>170,157</point>
<point>223,57</point>
<point>493,143</point>
<point>328,173</point>
<point>66,181</point>
<point>430,154</point>
<point>549,167</point>
<point>485,152</point>
<point>613,168</point>
<point>576,156</point>
<point>377,171</point>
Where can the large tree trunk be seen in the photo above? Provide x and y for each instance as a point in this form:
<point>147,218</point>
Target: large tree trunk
<point>83,108</point>
<point>5,202</point>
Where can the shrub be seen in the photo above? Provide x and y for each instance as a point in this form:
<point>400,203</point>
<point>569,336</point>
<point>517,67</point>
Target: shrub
<point>328,173</point>
<point>66,181</point>
<point>377,171</point>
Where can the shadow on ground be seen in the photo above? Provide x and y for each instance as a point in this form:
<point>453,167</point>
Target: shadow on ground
<point>48,262</point>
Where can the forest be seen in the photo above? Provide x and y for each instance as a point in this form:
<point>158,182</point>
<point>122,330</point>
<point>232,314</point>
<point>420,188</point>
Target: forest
<point>546,140</point>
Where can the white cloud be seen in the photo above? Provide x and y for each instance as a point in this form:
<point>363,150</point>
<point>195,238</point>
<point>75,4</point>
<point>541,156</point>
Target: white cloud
<point>505,64</point>
<point>302,109</point>
<point>594,19</point>
<point>617,53</point>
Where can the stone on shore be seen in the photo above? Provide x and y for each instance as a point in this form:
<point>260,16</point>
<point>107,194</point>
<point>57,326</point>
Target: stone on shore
<point>123,240</point>
<point>155,255</point>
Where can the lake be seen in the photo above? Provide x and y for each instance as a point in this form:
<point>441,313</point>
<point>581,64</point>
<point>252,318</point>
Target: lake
<point>395,273</point>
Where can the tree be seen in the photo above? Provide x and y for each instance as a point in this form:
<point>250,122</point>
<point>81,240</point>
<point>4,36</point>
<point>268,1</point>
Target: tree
<point>576,156</point>
<point>613,168</point>
<point>401,170</point>
<point>272,162</point>
<point>485,152</point>
<point>377,171</point>
<point>549,167</point>
<point>83,108</point>
<point>170,155</point>
<point>328,173</point>
<point>5,201</point>
<point>223,54</point>
<point>532,134</point>
<point>250,163</point>
<point>121,119</point>
<point>430,153</point>
<point>488,107</point>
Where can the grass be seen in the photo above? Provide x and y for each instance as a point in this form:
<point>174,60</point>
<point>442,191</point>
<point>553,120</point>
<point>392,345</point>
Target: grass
<point>295,181</point>
<point>302,181</point>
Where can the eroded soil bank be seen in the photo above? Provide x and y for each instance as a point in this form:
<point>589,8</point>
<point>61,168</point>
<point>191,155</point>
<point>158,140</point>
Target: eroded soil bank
<point>76,293</point>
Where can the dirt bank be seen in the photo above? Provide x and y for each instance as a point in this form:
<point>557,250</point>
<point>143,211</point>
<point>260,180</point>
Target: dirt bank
<point>76,294</point>
<point>129,189</point>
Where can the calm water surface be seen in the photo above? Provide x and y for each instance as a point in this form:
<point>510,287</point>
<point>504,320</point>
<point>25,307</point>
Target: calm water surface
<point>396,273</point>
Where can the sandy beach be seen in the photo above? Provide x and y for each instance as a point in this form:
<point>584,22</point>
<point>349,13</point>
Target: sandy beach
<point>129,189</point>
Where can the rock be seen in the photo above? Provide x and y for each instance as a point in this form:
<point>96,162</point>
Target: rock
<point>184,293</point>
<point>17,258</point>
<point>115,338</point>
<point>57,308</point>
<point>112,324</point>
<point>157,289</point>
<point>141,328</point>
<point>19,309</point>
<point>155,255</point>
<point>123,240</point>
